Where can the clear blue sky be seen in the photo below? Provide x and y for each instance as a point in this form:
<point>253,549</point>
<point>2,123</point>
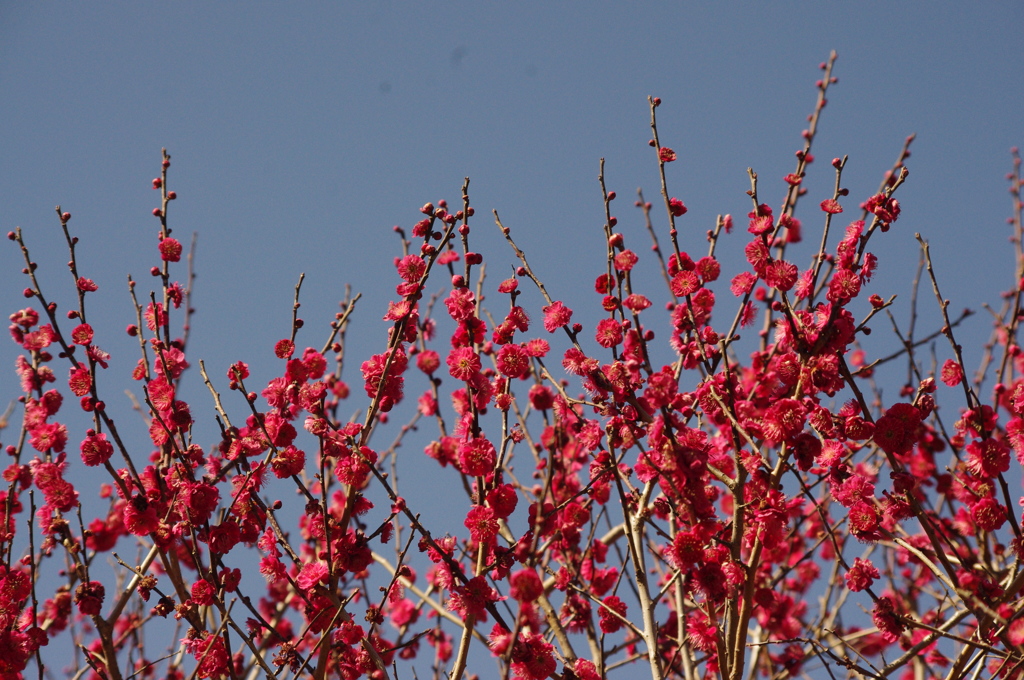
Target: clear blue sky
<point>301,133</point>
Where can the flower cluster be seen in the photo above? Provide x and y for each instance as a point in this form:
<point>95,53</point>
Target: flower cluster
<point>635,482</point>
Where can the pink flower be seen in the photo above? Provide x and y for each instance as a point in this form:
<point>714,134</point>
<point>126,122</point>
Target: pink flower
<point>82,334</point>
<point>241,369</point>
<point>609,622</point>
<point>411,268</point>
<point>666,155</point>
<point>586,670</point>
<point>311,574</point>
<point>96,450</point>
<point>701,633</point>
<point>1016,631</point>
<point>89,597</point>
<point>556,315</point>
<point>373,371</point>
<point>952,374</point>
<point>636,302</point>
<point>170,250</point>
<point>864,521</point>
<point>26,318</point>
<point>428,361</point>
<point>577,363</point>
<point>843,287</point>
<point>757,255</point>
<point>284,348</point>
<point>476,457</point>
<point>288,462</point>
<point>541,398</point>
<point>708,268</point>
<point>685,283</point>
<point>463,363</point>
<point>513,361</point>
<point>609,332</point>
<point>896,431</point>
<point>80,381</point>
<point>625,260</point>
<point>537,347</point>
<point>988,514</point>
<point>86,285</point>
<point>460,303</point>
<point>203,592</point>
<point>780,274</point>
<point>210,653</point>
<point>155,316</point>
<point>988,458</point>
<point>885,209</point>
<point>532,657</point>
<point>47,436</point>
<point>761,224</point>
<point>831,206</point>
<point>742,283</point>
<point>139,516</point>
<point>861,575</point>
<point>676,207</point>
<point>783,420</point>
<point>526,585</point>
<point>687,549</point>
<point>889,623</point>
<point>503,499</point>
<point>482,523</point>
<point>472,599</point>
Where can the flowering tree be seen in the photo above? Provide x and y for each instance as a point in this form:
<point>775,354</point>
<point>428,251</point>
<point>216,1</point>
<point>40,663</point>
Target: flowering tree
<point>745,508</point>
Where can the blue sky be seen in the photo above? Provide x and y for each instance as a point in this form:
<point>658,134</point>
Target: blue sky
<point>301,133</point>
